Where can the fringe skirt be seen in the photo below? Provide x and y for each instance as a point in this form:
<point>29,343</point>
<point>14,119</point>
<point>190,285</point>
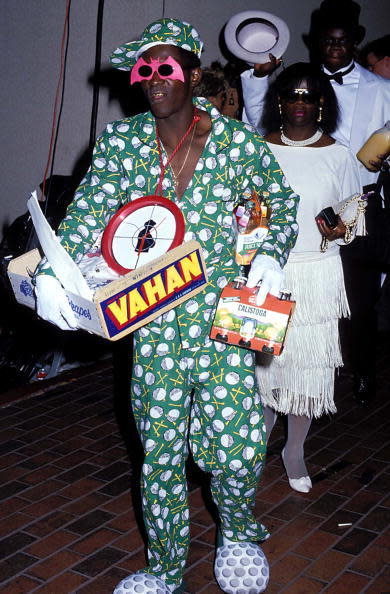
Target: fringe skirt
<point>301,380</point>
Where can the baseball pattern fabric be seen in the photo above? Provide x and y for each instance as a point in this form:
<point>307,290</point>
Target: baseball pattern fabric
<point>208,395</point>
<point>162,32</point>
<point>235,160</point>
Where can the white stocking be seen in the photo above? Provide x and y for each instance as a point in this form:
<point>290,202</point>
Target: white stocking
<point>293,454</point>
<point>270,416</point>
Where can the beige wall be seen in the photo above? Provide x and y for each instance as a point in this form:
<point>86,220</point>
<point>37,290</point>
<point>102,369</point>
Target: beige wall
<point>31,34</point>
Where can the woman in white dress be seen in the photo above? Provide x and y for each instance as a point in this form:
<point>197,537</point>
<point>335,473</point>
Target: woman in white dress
<point>300,113</point>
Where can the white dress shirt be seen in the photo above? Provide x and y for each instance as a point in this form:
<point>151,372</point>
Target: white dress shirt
<point>346,97</point>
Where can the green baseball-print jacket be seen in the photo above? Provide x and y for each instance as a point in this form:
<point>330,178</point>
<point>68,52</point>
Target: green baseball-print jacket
<point>125,166</point>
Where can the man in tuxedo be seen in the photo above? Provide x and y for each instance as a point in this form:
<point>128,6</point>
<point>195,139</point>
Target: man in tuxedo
<point>364,104</point>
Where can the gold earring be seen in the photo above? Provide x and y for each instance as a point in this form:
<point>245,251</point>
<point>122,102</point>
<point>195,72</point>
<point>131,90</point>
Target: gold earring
<point>280,113</point>
<point>319,119</point>
<point>281,118</point>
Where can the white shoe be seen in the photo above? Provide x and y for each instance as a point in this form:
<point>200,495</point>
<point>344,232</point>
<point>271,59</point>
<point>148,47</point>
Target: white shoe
<point>303,484</point>
<point>241,568</point>
<point>143,583</point>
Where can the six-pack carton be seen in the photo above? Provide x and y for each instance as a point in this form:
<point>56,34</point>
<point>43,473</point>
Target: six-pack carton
<point>239,321</point>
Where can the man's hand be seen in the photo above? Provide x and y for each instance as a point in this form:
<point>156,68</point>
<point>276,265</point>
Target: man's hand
<point>379,163</point>
<point>261,70</point>
<point>267,271</point>
<point>52,303</point>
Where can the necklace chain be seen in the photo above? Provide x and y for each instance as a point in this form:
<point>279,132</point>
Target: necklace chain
<point>163,167</point>
<point>316,136</point>
<point>176,175</point>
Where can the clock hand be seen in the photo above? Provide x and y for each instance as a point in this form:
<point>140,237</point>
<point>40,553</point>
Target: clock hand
<point>143,239</point>
<point>160,223</point>
<point>135,237</point>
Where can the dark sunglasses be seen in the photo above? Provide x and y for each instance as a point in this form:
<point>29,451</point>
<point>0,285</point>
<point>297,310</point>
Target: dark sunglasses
<point>304,95</point>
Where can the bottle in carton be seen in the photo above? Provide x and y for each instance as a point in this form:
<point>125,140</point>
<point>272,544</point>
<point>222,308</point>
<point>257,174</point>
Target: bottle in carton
<point>252,215</point>
<point>377,144</point>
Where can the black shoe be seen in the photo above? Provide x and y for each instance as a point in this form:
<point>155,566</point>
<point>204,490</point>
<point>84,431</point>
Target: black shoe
<point>363,389</point>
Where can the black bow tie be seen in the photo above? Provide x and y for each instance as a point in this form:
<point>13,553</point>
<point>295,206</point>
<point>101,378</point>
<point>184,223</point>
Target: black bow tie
<point>338,76</point>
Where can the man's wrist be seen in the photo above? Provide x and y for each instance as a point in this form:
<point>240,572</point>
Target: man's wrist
<point>259,74</point>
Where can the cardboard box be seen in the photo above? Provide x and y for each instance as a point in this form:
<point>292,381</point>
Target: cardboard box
<point>239,321</point>
<point>123,305</point>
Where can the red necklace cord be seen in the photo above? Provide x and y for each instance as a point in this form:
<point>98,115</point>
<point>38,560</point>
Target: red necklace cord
<point>163,167</point>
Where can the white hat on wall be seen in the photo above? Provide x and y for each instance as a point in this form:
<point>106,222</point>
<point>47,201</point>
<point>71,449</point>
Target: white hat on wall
<point>253,34</point>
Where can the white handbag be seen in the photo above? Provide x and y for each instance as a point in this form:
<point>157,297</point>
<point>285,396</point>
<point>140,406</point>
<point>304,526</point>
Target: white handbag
<point>352,212</point>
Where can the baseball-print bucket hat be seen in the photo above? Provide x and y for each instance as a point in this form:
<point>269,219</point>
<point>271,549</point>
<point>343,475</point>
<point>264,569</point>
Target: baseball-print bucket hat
<point>162,32</point>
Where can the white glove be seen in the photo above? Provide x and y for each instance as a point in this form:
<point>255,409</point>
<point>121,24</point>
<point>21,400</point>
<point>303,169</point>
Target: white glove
<point>52,303</point>
<point>266,270</point>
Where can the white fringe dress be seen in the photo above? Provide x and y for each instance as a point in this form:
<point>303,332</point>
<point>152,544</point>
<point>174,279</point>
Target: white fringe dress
<point>301,380</point>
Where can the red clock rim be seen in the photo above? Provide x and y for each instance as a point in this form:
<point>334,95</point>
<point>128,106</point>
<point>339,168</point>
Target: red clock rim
<point>124,211</point>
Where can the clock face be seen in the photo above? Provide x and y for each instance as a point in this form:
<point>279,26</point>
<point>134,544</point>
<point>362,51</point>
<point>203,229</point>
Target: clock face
<point>142,231</point>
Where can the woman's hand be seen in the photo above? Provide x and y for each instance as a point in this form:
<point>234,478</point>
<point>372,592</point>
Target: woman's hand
<point>331,233</point>
<point>261,70</point>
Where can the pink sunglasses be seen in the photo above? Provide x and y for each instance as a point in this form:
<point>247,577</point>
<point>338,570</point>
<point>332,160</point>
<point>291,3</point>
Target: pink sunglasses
<point>168,69</point>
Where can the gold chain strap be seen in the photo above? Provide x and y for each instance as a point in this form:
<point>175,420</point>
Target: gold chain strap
<point>348,236</point>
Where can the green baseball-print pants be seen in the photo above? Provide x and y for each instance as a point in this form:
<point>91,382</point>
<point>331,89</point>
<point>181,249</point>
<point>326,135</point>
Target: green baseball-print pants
<point>206,400</point>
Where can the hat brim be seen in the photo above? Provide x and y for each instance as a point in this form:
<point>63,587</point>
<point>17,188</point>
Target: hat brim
<point>125,56</point>
<point>253,34</point>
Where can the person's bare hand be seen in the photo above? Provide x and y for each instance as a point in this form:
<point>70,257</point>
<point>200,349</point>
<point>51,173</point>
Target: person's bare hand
<point>377,165</point>
<point>331,233</point>
<point>261,70</point>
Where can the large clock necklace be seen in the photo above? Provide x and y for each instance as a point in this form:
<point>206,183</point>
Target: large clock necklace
<point>147,227</point>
